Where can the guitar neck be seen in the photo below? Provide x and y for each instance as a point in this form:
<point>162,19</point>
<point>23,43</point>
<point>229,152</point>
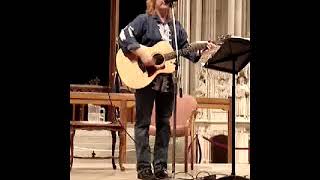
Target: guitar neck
<point>195,47</point>
<point>185,51</point>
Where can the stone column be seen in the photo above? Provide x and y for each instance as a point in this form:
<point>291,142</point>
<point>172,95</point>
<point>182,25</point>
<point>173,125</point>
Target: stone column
<point>238,18</point>
<point>195,35</point>
<point>231,13</point>
<point>248,19</point>
<point>209,19</point>
<point>183,15</point>
<point>244,19</point>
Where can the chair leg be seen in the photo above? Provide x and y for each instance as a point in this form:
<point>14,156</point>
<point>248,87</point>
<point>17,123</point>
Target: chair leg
<point>122,149</point>
<point>72,133</point>
<point>186,153</point>
<point>114,140</point>
<point>192,152</point>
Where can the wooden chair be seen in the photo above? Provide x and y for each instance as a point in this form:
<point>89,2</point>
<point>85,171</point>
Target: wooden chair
<point>85,125</point>
<point>186,114</point>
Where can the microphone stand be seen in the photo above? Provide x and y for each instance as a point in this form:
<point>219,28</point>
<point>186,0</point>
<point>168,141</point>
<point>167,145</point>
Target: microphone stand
<point>175,79</point>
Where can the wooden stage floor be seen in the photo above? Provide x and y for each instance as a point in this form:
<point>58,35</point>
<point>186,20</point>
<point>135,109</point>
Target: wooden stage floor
<point>101,169</point>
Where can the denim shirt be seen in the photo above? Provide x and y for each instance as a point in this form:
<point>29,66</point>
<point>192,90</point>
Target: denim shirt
<point>149,30</point>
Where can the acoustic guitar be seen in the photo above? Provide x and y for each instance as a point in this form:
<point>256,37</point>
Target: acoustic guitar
<point>136,75</point>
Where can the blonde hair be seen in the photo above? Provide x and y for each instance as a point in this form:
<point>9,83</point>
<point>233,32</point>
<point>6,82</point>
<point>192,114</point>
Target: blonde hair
<point>151,7</point>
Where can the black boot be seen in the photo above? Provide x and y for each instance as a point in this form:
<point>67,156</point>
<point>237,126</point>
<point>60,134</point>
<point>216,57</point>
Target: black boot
<point>162,174</point>
<point>146,174</point>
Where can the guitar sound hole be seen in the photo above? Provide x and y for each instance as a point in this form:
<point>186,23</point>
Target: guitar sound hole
<point>158,59</point>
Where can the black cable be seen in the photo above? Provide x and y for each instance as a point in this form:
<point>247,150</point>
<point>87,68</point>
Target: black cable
<point>196,139</point>
<point>200,151</point>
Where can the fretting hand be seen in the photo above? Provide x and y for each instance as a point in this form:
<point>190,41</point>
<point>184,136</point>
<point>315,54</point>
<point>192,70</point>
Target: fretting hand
<point>210,46</point>
<point>206,53</point>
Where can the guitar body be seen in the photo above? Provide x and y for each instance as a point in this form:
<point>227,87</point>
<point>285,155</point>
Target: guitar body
<point>134,74</point>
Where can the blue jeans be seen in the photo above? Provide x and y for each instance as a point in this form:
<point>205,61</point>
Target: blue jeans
<point>145,99</point>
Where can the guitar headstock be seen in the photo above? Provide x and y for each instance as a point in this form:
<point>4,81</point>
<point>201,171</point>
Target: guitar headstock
<point>222,38</point>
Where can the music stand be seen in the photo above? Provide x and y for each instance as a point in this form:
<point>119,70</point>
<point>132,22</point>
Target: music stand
<point>233,55</point>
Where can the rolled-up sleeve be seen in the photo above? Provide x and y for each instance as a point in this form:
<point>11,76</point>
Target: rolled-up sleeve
<point>132,33</point>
